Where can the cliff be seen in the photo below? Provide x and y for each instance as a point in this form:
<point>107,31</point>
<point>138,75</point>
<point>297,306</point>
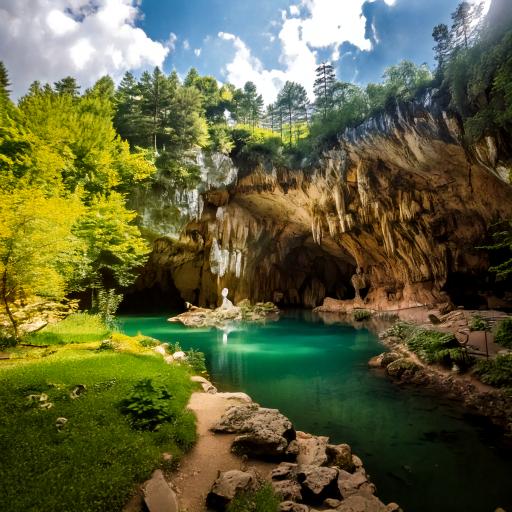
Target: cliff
<point>400,196</point>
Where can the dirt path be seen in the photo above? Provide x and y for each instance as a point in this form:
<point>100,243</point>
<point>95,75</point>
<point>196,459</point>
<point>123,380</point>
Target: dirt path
<point>211,454</point>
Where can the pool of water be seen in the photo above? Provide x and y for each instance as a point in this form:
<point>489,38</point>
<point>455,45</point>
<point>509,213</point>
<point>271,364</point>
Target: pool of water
<point>421,451</point>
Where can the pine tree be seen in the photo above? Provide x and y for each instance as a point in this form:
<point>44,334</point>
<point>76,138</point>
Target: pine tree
<point>292,99</point>
<point>323,88</point>
<point>465,23</point>
<point>67,85</point>
<point>442,49</point>
<point>4,82</point>
<point>128,116</point>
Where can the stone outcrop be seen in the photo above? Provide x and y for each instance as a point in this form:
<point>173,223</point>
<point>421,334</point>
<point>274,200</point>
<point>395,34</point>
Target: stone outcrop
<point>262,432</point>
<point>400,197</point>
<point>228,485</point>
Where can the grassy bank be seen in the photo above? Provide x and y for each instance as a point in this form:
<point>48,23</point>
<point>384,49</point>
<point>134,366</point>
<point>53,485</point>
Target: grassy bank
<point>95,459</point>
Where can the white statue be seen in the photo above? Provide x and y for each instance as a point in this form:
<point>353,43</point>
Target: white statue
<point>226,303</point>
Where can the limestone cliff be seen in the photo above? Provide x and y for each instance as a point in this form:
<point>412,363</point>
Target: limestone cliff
<point>400,196</point>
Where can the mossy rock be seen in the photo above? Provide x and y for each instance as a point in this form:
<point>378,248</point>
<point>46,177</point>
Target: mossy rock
<point>397,368</point>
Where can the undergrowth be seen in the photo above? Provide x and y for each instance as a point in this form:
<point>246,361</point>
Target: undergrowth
<point>496,372</point>
<point>261,500</point>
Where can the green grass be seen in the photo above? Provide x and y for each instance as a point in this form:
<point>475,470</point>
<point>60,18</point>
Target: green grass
<point>262,500</point>
<point>76,328</point>
<point>361,314</point>
<point>503,334</point>
<point>496,372</point>
<point>432,346</point>
<point>94,462</point>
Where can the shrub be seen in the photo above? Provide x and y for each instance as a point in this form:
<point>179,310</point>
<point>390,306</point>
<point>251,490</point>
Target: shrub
<point>495,372</point>
<point>148,406</point>
<point>106,345</point>
<point>262,500</point>
<point>503,334</point>
<point>361,314</point>
<point>477,323</point>
<point>196,361</point>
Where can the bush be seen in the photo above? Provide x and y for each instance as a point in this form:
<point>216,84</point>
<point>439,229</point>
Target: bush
<point>262,500</point>
<point>361,314</point>
<point>148,406</point>
<point>495,372</point>
<point>196,360</point>
<point>503,334</point>
<point>477,323</point>
<point>106,345</point>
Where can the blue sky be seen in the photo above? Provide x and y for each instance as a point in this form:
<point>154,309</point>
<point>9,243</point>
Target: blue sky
<point>266,41</point>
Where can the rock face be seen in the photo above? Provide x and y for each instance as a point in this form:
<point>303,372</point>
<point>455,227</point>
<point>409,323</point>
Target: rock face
<point>227,485</point>
<point>400,197</point>
<point>262,432</point>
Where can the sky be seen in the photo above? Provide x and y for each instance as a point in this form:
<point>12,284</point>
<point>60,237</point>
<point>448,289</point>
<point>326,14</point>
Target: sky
<point>265,41</point>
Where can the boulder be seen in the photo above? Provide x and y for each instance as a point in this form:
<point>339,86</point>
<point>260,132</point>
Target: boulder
<point>340,455</point>
<point>350,484</point>
<point>332,503</point>
<point>312,450</point>
<point>227,485</point>
<point>288,490</point>
<point>318,483</point>
<point>388,358</point>
<point>158,495</point>
<point>179,356</point>
<point>290,506</point>
<point>362,503</point>
<point>376,361</point>
<point>401,367</point>
<point>285,471</point>
<point>264,433</point>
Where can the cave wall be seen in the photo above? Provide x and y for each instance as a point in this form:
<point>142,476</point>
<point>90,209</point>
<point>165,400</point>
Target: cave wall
<point>400,197</point>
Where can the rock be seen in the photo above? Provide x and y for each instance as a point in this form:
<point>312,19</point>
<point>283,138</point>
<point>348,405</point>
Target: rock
<point>169,359</point>
<point>60,423</point>
<point>158,495</point>
<point>340,455</point>
<point>332,503</point>
<point>227,485</point>
<point>355,483</point>
<point>393,507</point>
<point>288,490</point>
<point>376,361</point>
<point>388,358</point>
<point>434,320</point>
<point>361,503</point>
<point>397,369</point>
<point>262,432</point>
<point>240,397</point>
<point>318,483</point>
<point>198,378</point>
<point>179,356</point>
<point>285,470</point>
<point>312,450</point>
<point>161,349</point>
<point>290,506</point>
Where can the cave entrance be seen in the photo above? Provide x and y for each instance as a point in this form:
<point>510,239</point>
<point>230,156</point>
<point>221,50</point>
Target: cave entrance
<point>310,272</point>
<point>152,295</point>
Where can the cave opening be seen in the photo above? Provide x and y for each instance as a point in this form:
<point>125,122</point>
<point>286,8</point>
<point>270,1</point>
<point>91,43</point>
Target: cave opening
<point>311,272</point>
<point>157,295</point>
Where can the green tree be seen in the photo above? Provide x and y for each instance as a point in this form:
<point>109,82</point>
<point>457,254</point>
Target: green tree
<point>324,88</point>
<point>4,83</point>
<point>128,115</point>
<point>67,85</point>
<point>114,248</point>
<point>292,99</point>
<point>38,252</point>
<point>442,49</point>
<point>465,23</point>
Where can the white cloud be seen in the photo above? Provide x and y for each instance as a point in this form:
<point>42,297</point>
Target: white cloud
<point>197,52</point>
<point>309,26</point>
<point>48,39</point>
<point>171,41</point>
<point>186,45</point>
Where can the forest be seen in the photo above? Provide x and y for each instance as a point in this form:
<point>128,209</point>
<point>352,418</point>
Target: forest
<point>69,159</point>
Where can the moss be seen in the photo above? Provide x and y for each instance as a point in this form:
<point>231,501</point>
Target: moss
<point>361,314</point>
<point>503,334</point>
<point>398,367</point>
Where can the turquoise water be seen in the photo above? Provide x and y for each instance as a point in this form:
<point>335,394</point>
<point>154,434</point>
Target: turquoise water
<point>422,452</point>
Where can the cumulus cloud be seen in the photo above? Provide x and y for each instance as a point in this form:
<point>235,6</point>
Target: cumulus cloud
<point>197,52</point>
<point>309,26</point>
<point>48,39</point>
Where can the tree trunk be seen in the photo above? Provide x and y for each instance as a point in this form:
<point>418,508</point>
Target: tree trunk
<point>7,308</point>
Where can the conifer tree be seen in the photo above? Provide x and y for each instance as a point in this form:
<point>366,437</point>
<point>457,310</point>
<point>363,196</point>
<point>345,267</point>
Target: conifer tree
<point>4,82</point>
<point>442,49</point>
<point>465,23</point>
<point>67,85</point>
<point>323,88</point>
